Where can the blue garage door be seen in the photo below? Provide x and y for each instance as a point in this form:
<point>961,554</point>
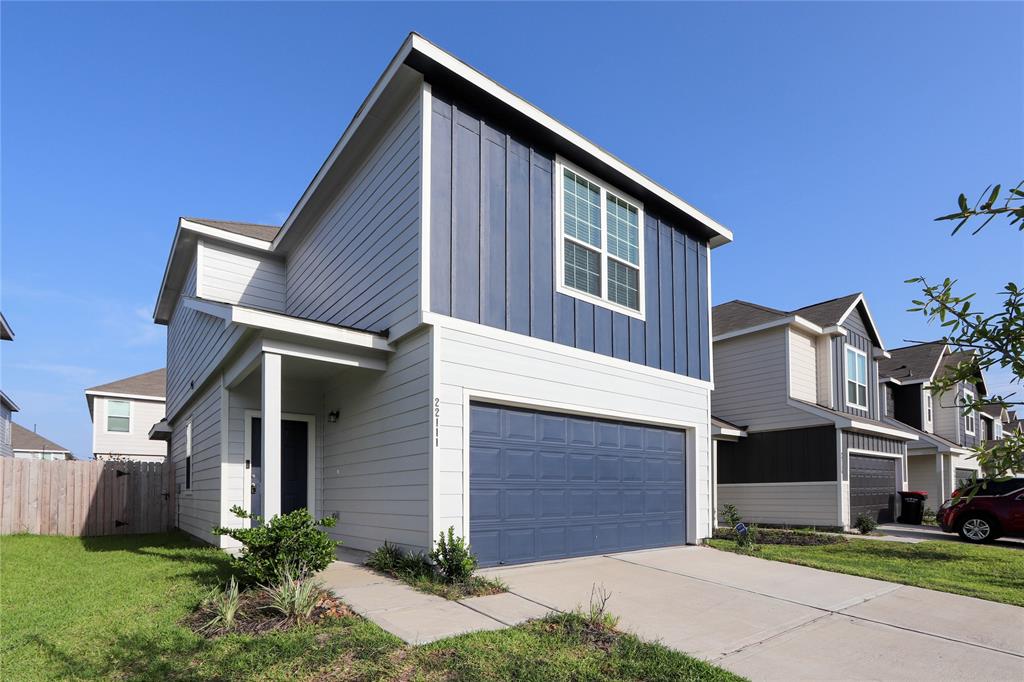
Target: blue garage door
<point>549,486</point>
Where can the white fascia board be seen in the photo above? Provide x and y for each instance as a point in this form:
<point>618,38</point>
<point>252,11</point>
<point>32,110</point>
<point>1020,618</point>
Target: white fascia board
<point>871,320</point>
<point>264,319</point>
<point>502,94</point>
<point>874,428</point>
<point>129,396</point>
<point>224,235</point>
<point>727,433</point>
<point>792,320</point>
<point>835,330</point>
<point>10,403</point>
<point>298,350</point>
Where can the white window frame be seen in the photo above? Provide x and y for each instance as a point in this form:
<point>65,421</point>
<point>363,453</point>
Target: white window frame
<point>106,416</point>
<point>929,407</point>
<point>605,189</point>
<point>188,456</point>
<point>846,371</point>
<point>970,418</point>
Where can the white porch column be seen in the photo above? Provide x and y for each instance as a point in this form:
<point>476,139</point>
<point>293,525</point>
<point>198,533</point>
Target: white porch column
<point>271,418</point>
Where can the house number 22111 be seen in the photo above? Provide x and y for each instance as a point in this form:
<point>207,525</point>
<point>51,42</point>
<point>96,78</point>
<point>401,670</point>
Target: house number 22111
<point>437,421</point>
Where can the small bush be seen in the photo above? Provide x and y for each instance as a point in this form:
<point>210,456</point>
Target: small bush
<point>421,572</point>
<point>453,558</point>
<point>292,596</point>
<point>731,516</point>
<point>865,524</point>
<point>222,605</point>
<point>292,540</point>
<point>928,517</point>
<point>393,560</point>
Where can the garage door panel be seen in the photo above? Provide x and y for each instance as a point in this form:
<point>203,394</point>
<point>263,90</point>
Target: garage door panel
<point>872,487</point>
<point>582,486</point>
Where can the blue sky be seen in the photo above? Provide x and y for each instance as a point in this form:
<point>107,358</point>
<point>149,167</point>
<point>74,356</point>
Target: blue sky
<point>825,135</point>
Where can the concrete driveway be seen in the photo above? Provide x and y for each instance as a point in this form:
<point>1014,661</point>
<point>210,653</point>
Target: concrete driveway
<point>774,621</point>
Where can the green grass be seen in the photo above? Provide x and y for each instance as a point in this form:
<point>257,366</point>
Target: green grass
<point>110,608</point>
<point>993,573</point>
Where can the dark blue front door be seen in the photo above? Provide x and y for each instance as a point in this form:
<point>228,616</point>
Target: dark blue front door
<point>294,464</point>
<point>546,486</point>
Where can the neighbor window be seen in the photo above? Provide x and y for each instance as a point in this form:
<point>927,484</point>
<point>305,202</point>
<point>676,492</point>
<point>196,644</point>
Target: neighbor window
<point>600,243</point>
<point>969,418</point>
<point>119,416</point>
<point>928,406</point>
<point>856,378</point>
<point>188,456</point>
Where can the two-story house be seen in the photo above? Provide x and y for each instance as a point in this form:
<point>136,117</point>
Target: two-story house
<point>941,459</point>
<point>472,318</point>
<point>123,412</point>
<point>804,383</point>
<point>7,406</point>
<point>28,444</point>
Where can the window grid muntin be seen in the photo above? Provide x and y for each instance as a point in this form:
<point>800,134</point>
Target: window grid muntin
<point>607,258</point>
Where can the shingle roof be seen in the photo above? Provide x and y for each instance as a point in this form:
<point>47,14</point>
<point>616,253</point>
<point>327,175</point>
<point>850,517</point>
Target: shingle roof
<point>23,439</point>
<point>254,230</point>
<point>149,383</point>
<point>912,362</point>
<point>735,315</point>
<point>994,411</point>
<point>924,435</point>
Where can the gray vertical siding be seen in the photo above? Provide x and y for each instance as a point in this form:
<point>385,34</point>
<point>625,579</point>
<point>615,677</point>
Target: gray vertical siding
<point>857,337</point>
<point>863,441</point>
<point>359,265</point>
<point>492,254</point>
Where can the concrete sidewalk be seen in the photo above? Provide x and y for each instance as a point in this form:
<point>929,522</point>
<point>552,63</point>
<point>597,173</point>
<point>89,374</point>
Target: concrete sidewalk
<point>416,617</point>
<point>771,620</point>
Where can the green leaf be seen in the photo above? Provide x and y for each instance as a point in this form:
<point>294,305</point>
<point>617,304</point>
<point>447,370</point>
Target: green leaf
<point>962,200</point>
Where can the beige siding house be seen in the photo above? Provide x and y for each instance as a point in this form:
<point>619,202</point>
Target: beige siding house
<point>27,444</point>
<point>123,412</point>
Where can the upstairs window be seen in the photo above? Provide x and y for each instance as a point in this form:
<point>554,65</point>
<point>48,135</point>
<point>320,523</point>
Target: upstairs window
<point>600,243</point>
<point>928,406</point>
<point>119,416</point>
<point>856,378</point>
<point>970,425</point>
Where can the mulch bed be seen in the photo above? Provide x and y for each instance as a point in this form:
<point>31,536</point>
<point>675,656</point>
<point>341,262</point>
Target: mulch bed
<point>779,536</point>
<point>255,616</point>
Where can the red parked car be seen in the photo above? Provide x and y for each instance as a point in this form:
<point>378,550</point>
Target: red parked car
<point>996,510</point>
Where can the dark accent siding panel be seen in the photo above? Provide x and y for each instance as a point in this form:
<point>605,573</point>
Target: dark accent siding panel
<point>790,456</point>
<point>862,441</point>
<point>492,253</point>
<point>864,344</point>
<point>907,404</point>
<point>680,332</point>
<point>542,256</point>
<point>620,336</point>
<point>652,304</point>
<point>493,245</point>
<point>602,330</point>
<point>466,218</point>
<point>441,209</point>
<point>702,311</point>
<point>517,266</point>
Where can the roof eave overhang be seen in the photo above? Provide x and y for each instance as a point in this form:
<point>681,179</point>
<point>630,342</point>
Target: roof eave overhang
<point>852,423</point>
<point>445,71</point>
<point>6,400</point>
<point>790,320</point>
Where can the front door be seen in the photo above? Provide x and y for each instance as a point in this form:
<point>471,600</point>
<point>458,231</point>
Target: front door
<point>294,464</point>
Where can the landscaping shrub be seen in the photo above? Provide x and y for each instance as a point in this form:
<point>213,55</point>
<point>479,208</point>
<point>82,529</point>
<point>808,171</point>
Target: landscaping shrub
<point>865,524</point>
<point>292,596</point>
<point>393,560</point>
<point>222,606</point>
<point>453,558</point>
<point>731,516</point>
<point>292,540</point>
<point>780,536</point>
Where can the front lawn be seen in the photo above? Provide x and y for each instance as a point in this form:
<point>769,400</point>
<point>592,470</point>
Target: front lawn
<point>111,608</point>
<point>993,573</point>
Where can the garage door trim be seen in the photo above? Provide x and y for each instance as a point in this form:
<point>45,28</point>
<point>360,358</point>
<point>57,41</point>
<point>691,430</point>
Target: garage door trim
<point>894,459</point>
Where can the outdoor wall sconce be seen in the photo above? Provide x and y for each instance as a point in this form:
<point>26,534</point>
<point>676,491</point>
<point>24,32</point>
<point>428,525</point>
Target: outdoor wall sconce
<point>333,416</point>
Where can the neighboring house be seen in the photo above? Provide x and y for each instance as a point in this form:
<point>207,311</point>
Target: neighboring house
<point>30,445</point>
<point>804,385</point>
<point>473,318</point>
<point>7,406</point>
<point>941,458</point>
<point>123,412</point>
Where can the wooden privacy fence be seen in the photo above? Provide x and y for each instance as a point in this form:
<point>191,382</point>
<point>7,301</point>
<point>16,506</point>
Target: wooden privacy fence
<point>85,497</point>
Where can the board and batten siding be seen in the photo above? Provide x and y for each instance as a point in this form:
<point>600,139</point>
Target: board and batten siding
<point>234,276</point>
<point>750,383</point>
<point>492,254</point>
<point>375,465</point>
<point>477,363</point>
<point>196,342</point>
<point>199,508</point>
<point>857,336</point>
<point>948,422</point>
<point>798,504</point>
<point>144,414</point>
<point>803,363</point>
<point>358,266</point>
